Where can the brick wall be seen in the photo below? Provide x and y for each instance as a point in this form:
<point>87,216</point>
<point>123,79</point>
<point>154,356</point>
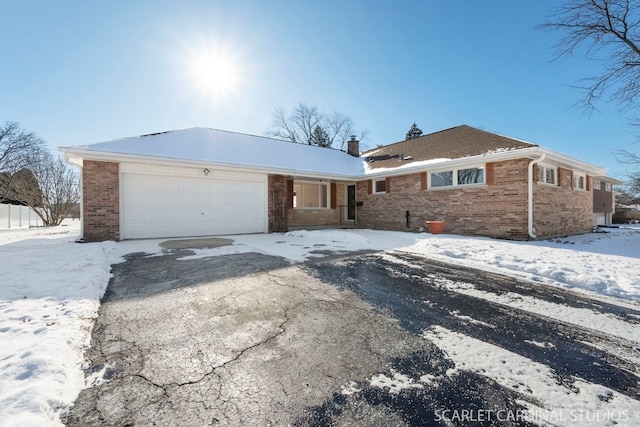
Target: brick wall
<point>497,209</point>
<point>561,210</point>
<point>101,201</point>
<point>278,203</point>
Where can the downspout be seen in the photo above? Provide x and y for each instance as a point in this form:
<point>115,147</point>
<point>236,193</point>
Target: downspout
<point>530,195</point>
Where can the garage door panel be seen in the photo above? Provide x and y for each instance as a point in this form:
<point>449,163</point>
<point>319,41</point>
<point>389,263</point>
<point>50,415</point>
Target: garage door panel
<point>169,206</point>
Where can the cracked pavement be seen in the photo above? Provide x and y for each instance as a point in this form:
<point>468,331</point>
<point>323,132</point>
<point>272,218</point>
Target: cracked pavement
<point>230,340</point>
<point>248,339</point>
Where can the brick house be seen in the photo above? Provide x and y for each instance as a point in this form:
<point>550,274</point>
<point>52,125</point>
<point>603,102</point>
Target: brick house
<point>604,200</point>
<point>197,182</point>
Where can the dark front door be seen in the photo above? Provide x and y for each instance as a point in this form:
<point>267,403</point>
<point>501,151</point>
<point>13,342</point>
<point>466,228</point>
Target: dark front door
<point>351,202</point>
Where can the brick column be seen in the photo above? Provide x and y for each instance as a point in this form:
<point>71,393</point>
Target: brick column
<point>101,201</point>
<point>278,203</point>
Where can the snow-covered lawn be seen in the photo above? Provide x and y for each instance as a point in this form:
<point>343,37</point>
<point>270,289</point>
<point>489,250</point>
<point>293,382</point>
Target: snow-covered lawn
<point>50,288</point>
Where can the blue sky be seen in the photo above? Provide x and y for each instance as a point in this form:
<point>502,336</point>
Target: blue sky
<point>84,71</point>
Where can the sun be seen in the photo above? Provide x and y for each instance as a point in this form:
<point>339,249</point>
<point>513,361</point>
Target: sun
<point>214,72</point>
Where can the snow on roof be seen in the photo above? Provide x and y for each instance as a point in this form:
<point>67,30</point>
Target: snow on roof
<point>217,147</point>
<point>222,147</point>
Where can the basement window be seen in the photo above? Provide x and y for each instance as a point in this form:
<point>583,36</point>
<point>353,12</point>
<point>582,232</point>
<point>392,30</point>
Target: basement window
<point>310,195</point>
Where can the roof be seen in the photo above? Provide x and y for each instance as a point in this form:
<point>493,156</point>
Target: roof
<point>212,146</point>
<point>204,147</point>
<point>454,143</point>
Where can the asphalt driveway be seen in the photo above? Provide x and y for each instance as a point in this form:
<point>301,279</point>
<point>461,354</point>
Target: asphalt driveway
<point>248,339</point>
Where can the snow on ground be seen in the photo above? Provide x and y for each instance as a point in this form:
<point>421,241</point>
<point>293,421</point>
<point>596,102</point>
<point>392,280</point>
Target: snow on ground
<point>50,288</point>
<point>583,404</point>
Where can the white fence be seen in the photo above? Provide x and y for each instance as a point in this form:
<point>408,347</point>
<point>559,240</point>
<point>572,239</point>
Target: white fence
<point>14,216</point>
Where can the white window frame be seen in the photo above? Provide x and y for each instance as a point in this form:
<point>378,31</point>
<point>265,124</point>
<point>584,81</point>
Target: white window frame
<point>374,183</point>
<point>545,169</point>
<point>576,177</point>
<point>454,177</point>
<point>297,200</point>
<point>596,184</point>
<point>608,187</point>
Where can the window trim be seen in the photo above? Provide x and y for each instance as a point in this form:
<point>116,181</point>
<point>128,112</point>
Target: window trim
<point>374,189</point>
<point>576,176</point>
<point>319,183</point>
<point>546,167</point>
<point>454,177</point>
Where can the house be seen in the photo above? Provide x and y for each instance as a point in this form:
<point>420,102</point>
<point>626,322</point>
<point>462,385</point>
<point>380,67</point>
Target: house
<point>18,191</point>
<point>604,200</point>
<point>199,181</point>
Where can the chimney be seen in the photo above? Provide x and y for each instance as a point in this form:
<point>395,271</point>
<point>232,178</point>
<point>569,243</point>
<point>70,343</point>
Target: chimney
<point>353,146</point>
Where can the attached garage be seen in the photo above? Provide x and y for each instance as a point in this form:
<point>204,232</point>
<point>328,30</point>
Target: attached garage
<point>186,203</point>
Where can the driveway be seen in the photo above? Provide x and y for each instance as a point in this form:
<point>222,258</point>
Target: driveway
<point>360,339</point>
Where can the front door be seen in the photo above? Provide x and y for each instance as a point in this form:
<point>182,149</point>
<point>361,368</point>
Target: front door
<point>351,202</point>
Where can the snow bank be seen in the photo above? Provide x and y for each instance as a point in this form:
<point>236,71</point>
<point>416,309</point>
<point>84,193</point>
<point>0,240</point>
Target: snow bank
<point>49,297</point>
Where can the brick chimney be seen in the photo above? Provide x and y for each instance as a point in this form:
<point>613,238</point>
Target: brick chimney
<point>353,146</point>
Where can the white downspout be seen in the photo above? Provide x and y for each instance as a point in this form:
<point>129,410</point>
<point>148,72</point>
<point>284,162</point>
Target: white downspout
<point>530,195</point>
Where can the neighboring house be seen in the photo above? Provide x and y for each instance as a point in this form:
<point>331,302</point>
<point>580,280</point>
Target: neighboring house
<point>17,192</point>
<point>198,181</point>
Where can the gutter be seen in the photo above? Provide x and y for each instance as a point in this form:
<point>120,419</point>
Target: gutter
<point>530,194</point>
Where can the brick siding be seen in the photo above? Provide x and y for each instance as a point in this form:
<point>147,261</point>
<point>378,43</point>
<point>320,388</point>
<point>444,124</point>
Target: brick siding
<point>561,210</point>
<point>498,209</point>
<point>278,203</point>
<point>101,201</point>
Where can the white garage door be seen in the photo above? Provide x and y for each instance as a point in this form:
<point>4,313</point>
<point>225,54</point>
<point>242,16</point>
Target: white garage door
<point>168,206</point>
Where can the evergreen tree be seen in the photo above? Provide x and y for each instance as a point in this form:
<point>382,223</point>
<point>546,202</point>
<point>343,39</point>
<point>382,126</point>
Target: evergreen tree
<point>319,137</point>
<point>414,132</point>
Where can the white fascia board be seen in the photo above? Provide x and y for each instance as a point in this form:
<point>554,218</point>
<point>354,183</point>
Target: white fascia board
<point>528,153</point>
<point>572,162</point>
<point>75,155</point>
<point>522,153</point>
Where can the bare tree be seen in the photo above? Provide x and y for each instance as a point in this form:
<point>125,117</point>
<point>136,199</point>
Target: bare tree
<point>299,126</point>
<point>55,190</point>
<point>30,175</point>
<point>633,183</point>
<point>608,31</point>
<point>18,149</point>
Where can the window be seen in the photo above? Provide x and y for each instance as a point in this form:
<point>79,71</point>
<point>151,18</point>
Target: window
<point>380,186</point>
<point>442,179</point>
<point>309,195</point>
<point>456,177</point>
<point>597,185</point>
<point>607,186</point>
<point>547,174</point>
<point>579,181</point>
<point>470,176</point>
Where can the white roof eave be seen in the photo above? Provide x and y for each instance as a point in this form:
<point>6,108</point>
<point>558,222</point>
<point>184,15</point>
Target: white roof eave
<point>76,155</point>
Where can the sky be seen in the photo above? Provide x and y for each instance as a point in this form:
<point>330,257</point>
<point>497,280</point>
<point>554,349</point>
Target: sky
<point>81,72</point>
